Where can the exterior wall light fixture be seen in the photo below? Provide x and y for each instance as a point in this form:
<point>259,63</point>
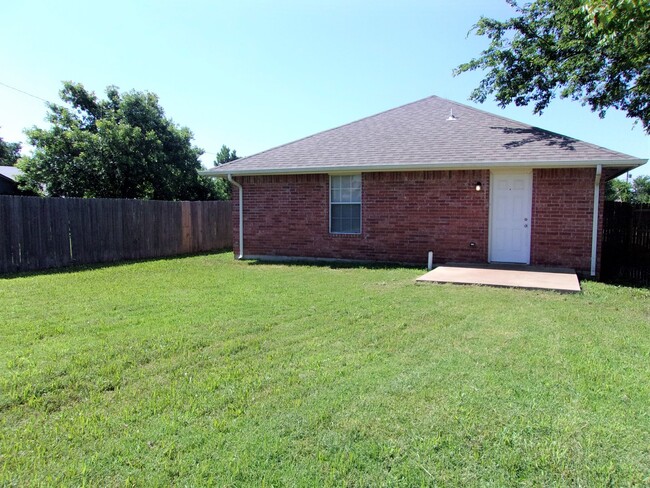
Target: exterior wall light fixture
<point>478,186</point>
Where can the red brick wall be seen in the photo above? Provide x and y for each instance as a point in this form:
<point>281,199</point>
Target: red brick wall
<point>563,203</point>
<point>404,215</point>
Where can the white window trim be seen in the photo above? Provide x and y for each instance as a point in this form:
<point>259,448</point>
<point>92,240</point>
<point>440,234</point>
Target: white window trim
<point>329,191</point>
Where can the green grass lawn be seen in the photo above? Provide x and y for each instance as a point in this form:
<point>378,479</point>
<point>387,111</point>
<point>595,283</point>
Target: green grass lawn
<point>204,370</point>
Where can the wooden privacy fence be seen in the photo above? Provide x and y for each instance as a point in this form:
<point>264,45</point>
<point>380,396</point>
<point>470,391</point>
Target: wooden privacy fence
<point>626,243</point>
<point>39,233</point>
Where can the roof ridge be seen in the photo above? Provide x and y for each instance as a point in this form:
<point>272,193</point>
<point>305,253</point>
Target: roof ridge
<point>518,122</point>
<point>332,129</point>
<point>379,140</point>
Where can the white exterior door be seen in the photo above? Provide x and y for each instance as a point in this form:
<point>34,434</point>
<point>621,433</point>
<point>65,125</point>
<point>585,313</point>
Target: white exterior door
<point>511,199</point>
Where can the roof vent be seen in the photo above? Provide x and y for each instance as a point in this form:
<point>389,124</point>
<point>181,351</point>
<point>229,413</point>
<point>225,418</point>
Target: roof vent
<point>451,115</point>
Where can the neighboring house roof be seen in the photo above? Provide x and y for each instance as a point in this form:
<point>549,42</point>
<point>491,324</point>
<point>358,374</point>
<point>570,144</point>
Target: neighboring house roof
<point>10,172</point>
<point>420,135</point>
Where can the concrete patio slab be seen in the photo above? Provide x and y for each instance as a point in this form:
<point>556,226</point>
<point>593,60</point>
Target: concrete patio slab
<point>557,279</point>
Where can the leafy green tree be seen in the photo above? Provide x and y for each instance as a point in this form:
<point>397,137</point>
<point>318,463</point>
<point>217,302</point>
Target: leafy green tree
<point>641,189</point>
<point>219,188</point>
<point>623,191</point>
<point>120,147</point>
<point>618,191</point>
<point>9,152</point>
<point>595,51</point>
<point>225,155</point>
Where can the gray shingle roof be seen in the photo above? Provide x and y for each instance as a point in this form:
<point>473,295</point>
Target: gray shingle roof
<point>419,135</point>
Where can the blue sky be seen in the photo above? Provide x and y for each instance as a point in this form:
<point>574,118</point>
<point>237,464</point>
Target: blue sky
<point>256,74</point>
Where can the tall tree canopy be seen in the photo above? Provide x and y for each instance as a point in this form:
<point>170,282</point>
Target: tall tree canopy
<point>638,191</point>
<point>225,155</point>
<point>595,51</point>
<point>641,189</point>
<point>9,152</point>
<point>120,147</point>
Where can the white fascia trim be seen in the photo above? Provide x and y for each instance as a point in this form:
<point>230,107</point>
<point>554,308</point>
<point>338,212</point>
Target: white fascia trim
<point>462,165</point>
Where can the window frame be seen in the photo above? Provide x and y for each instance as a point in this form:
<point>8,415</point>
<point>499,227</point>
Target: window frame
<point>360,203</point>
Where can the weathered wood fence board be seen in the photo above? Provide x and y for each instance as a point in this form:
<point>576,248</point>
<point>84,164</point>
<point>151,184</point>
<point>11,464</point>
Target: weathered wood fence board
<point>626,243</point>
<point>39,233</point>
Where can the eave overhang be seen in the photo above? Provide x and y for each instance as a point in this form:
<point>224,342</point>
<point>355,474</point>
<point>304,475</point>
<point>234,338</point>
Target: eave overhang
<point>224,171</point>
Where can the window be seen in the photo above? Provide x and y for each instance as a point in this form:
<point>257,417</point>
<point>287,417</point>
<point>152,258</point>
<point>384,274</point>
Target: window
<point>345,204</point>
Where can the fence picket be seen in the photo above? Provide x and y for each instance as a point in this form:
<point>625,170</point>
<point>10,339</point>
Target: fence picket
<point>39,233</point>
<point>626,243</point>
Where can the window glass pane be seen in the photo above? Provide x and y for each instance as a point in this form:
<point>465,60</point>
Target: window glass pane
<point>346,189</point>
<point>354,226</point>
<point>354,212</point>
<point>346,218</point>
<point>355,182</point>
<point>345,211</point>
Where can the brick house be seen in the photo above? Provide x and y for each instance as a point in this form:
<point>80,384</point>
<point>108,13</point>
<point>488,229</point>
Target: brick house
<point>433,175</point>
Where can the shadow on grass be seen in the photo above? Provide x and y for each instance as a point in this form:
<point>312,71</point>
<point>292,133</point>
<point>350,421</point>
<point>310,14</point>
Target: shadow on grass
<point>628,283</point>
<point>333,264</point>
<point>627,269</point>
<point>107,264</point>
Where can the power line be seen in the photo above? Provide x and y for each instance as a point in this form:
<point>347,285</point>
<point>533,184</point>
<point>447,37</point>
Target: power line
<point>24,92</point>
<point>47,101</point>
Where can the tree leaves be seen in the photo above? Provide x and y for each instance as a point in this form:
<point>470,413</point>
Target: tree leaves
<point>121,147</point>
<point>9,152</point>
<point>225,155</point>
<point>623,191</point>
<point>594,51</point>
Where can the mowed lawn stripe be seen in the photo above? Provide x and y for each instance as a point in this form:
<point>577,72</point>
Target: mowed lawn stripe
<point>206,370</point>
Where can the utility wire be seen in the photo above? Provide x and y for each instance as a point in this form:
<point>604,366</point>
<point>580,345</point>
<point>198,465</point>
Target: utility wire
<point>47,101</point>
<point>24,92</point>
